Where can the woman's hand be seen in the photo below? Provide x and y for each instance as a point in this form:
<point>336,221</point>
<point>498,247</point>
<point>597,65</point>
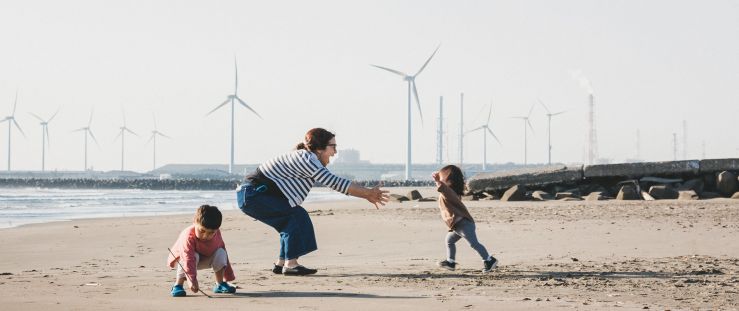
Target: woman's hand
<point>194,288</point>
<point>373,195</point>
<point>377,196</point>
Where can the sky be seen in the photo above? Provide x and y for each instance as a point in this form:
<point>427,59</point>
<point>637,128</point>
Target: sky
<point>304,64</point>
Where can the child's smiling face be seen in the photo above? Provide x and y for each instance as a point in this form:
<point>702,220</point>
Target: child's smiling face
<point>203,233</point>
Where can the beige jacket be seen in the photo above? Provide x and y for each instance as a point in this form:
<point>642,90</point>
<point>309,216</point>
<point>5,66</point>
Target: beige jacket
<point>451,207</point>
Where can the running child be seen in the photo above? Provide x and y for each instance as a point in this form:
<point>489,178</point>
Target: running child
<point>450,185</point>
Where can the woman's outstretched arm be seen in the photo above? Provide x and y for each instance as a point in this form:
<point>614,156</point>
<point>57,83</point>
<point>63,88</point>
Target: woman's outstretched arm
<point>374,195</point>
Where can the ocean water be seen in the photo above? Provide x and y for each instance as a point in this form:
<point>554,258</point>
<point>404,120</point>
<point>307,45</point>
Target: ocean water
<point>30,205</point>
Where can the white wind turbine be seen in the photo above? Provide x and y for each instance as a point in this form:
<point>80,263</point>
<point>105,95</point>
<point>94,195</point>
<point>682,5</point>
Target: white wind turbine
<point>486,129</point>
<point>88,131</point>
<point>153,138</point>
<point>411,79</point>
<point>525,133</point>
<point>45,140</point>
<point>549,126</point>
<point>11,122</point>
<point>233,99</point>
<point>122,134</point>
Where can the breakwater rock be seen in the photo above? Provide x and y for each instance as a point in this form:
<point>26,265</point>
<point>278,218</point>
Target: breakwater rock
<point>647,180</point>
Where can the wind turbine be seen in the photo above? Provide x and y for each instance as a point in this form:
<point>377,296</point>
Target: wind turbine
<point>486,129</point>
<point>233,99</point>
<point>87,131</point>
<point>45,139</point>
<point>549,126</point>
<point>11,121</point>
<point>123,129</point>
<point>153,138</point>
<point>411,79</point>
<point>525,133</point>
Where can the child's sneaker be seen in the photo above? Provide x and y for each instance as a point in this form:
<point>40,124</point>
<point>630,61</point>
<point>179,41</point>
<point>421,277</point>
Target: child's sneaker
<point>224,288</point>
<point>447,265</point>
<point>490,264</point>
<point>178,291</point>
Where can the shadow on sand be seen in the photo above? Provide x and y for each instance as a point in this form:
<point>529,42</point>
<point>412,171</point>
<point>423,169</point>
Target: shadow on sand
<point>317,294</point>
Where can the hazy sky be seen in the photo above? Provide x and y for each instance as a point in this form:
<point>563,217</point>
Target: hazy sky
<point>306,64</point>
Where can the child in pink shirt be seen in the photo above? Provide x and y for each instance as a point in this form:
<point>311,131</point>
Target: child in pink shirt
<point>200,246</point>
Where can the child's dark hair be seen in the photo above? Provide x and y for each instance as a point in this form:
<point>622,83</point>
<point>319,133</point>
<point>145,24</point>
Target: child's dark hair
<point>455,178</point>
<point>208,216</point>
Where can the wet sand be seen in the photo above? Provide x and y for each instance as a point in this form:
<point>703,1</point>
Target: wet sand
<point>586,255</point>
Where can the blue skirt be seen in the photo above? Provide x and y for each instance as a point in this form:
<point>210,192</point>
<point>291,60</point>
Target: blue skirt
<point>297,237</point>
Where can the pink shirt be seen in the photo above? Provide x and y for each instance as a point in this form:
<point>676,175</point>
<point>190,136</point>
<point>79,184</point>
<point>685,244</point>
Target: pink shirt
<point>188,244</point>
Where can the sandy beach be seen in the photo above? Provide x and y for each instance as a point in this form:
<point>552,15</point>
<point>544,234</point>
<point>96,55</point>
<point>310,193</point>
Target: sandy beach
<point>629,255</point>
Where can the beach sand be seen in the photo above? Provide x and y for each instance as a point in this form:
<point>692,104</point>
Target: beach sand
<point>653,255</point>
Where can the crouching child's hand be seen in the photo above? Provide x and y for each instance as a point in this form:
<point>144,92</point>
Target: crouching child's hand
<point>194,287</point>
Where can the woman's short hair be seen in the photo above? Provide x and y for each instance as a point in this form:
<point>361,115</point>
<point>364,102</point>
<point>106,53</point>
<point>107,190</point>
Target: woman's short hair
<point>455,178</point>
<point>208,216</point>
<point>315,139</point>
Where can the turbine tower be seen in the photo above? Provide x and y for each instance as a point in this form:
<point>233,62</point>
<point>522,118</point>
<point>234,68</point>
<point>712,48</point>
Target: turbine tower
<point>123,129</point>
<point>11,122</point>
<point>153,138</point>
<point>549,128</point>
<point>411,80</point>
<point>233,98</point>
<point>88,131</point>
<point>525,134</point>
<point>440,134</point>
<point>45,140</point>
<point>486,129</point>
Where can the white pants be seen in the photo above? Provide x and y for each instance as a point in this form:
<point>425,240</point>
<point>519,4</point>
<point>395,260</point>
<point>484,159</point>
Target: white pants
<point>218,261</point>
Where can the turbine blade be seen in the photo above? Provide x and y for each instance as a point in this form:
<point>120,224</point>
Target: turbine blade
<point>475,129</point>
<point>19,127</point>
<point>79,129</point>
<point>496,137</point>
<point>155,120</point>
<point>93,137</point>
<point>54,115</point>
<point>236,72</point>
<point>247,107</point>
<point>130,131</point>
<point>163,135</point>
<point>219,106</point>
<point>531,110</point>
<point>490,113</point>
<point>542,104</point>
<point>427,61</point>
<point>116,136</point>
<point>150,138</point>
<point>558,113</point>
<point>90,122</point>
<point>392,70</point>
<point>418,101</point>
<point>15,103</point>
<point>531,127</point>
<point>37,117</point>
<point>48,138</point>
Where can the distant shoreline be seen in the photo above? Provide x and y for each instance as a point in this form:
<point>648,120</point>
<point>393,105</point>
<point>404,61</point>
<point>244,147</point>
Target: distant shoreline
<point>161,184</point>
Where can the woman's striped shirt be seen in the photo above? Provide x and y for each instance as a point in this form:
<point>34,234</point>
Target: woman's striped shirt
<point>296,172</point>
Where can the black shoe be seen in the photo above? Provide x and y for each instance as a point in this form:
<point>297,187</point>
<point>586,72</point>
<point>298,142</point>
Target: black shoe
<point>277,269</point>
<point>490,264</point>
<point>447,265</point>
<point>298,270</point>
